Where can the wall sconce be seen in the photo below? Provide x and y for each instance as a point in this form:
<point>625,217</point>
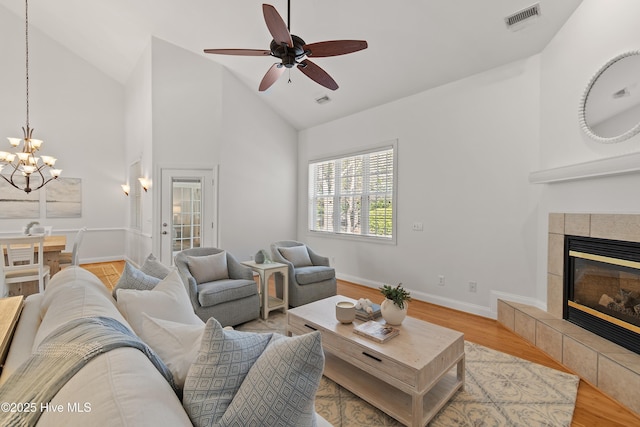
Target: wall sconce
<point>145,182</point>
<point>126,188</point>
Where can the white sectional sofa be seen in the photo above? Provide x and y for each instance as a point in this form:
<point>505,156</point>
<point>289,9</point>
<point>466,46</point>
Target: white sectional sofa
<point>120,387</point>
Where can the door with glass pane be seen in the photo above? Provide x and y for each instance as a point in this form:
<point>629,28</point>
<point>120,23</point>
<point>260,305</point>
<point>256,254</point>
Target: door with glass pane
<point>188,203</point>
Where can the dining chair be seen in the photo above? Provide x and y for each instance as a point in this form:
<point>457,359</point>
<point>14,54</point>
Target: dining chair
<point>24,261</point>
<point>71,258</point>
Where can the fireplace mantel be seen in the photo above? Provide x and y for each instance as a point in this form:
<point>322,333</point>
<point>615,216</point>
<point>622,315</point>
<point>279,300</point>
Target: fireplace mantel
<point>624,164</point>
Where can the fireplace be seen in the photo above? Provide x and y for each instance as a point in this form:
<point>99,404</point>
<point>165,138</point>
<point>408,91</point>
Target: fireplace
<point>602,288</point>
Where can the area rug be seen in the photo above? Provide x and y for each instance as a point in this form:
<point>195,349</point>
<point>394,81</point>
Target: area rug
<point>500,390</point>
<point>107,273</point>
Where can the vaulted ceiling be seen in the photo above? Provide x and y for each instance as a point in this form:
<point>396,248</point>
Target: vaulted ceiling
<point>414,45</point>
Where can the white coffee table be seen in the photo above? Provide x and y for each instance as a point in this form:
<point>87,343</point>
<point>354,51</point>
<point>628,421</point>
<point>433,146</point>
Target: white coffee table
<point>265,271</point>
<point>410,377</point>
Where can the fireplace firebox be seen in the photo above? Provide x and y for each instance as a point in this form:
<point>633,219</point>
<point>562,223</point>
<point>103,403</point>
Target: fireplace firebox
<point>602,288</point>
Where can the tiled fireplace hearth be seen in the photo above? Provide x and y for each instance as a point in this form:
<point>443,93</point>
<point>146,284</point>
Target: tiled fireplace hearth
<point>610,367</point>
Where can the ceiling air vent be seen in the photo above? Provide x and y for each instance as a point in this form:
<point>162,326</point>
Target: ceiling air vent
<point>323,99</point>
<point>518,20</point>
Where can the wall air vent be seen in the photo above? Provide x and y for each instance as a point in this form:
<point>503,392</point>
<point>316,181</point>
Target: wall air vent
<point>518,20</point>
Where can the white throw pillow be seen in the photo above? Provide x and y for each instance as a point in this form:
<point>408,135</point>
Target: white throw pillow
<point>177,344</point>
<point>297,255</point>
<point>208,268</point>
<point>168,301</point>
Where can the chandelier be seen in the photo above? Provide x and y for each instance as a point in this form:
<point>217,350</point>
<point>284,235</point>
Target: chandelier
<point>24,164</point>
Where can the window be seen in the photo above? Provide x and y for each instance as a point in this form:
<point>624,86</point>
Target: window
<point>354,195</point>
<point>187,213</point>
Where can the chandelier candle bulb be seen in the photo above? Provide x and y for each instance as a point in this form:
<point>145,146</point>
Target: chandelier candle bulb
<point>28,169</point>
<point>48,160</point>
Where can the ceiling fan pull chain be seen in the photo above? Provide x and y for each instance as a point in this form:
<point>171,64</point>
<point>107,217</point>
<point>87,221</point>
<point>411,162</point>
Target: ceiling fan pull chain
<point>289,76</point>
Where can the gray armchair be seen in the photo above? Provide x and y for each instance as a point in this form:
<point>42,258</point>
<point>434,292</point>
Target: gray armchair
<point>219,286</point>
<point>310,276</point>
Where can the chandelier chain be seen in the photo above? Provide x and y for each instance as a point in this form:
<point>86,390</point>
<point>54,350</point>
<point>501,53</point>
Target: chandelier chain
<point>24,164</point>
<point>26,42</point>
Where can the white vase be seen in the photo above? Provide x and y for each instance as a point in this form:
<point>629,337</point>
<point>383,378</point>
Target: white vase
<point>391,313</point>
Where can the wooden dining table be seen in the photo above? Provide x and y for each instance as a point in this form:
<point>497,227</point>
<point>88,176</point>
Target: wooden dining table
<point>53,246</point>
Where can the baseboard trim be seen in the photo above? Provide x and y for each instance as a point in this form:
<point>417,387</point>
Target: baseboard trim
<point>426,297</point>
<point>95,260</point>
<point>496,295</point>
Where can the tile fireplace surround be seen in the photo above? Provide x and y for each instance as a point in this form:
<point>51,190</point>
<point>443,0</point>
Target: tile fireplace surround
<point>613,369</point>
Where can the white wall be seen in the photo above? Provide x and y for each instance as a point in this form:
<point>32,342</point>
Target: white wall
<point>597,32</point>
<point>77,111</point>
<point>186,117</point>
<point>465,150</point>
<point>138,148</point>
<point>258,172</point>
<point>202,116</point>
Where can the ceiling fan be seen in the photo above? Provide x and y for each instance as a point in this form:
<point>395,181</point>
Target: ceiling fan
<point>293,51</point>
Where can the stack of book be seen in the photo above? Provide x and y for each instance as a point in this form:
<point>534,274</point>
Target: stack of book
<point>376,331</point>
<point>361,314</point>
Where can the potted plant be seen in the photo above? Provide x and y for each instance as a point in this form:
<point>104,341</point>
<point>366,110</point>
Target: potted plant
<point>394,307</point>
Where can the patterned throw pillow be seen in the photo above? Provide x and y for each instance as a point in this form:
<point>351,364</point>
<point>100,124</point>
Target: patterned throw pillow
<point>224,360</point>
<point>132,278</point>
<point>280,388</point>
<point>153,267</point>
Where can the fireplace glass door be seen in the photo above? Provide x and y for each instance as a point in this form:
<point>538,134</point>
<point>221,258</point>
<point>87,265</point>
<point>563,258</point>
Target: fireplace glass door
<point>603,289</point>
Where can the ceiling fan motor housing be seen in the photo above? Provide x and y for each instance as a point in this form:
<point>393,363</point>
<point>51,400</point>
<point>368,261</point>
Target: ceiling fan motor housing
<point>292,51</point>
<point>289,55</point>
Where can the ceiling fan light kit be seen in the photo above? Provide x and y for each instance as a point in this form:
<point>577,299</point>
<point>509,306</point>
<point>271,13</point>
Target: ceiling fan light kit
<point>294,52</point>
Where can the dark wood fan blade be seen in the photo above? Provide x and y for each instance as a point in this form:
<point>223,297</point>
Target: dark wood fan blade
<point>276,25</point>
<point>242,52</point>
<point>317,74</point>
<point>271,77</point>
<point>335,47</point>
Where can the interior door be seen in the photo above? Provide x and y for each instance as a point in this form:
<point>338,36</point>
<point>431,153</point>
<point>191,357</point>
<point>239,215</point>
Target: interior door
<point>188,211</point>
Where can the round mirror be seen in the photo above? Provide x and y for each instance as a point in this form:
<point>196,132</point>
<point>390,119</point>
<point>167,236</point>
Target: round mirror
<point>610,106</point>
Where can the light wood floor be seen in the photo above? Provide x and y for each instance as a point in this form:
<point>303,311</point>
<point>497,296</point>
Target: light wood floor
<point>593,408</point>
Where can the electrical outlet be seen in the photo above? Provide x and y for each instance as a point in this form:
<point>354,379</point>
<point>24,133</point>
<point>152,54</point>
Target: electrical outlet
<point>473,286</point>
<point>441,280</point>
<point>417,226</point>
